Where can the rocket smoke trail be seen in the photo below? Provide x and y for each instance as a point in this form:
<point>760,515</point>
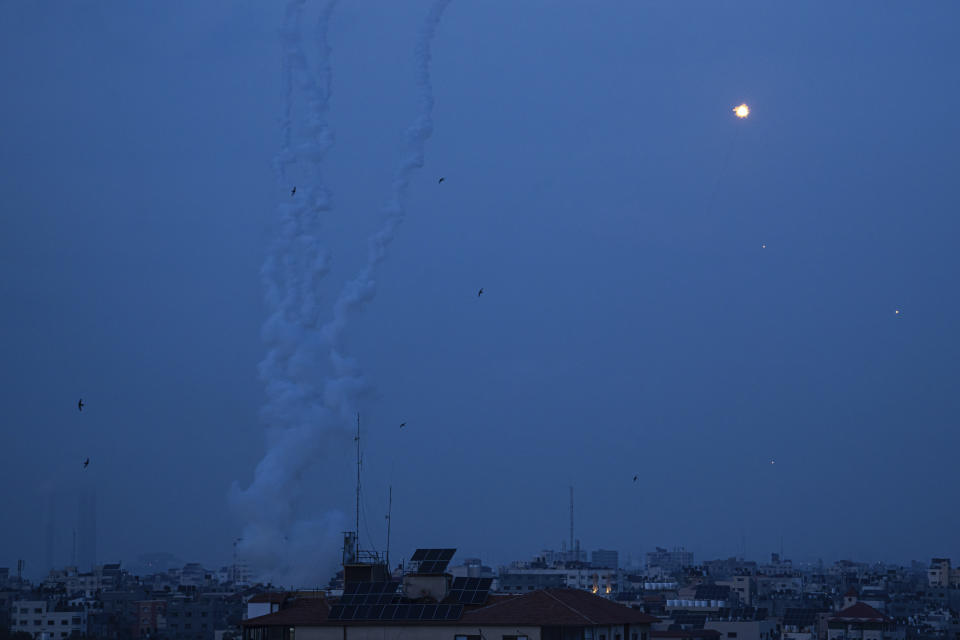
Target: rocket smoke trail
<point>362,288</point>
<point>313,389</point>
<point>273,536</point>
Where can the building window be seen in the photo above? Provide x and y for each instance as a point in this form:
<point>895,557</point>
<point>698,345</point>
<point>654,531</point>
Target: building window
<point>64,621</point>
<point>731,634</point>
<point>459,637</point>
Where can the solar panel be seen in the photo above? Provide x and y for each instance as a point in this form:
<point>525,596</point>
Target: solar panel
<point>360,593</point>
<point>470,590</point>
<point>363,612</point>
<point>403,611</point>
<point>432,560</point>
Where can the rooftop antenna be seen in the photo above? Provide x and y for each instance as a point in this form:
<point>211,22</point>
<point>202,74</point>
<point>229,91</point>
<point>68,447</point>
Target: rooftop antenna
<point>234,567</point>
<point>571,518</point>
<point>389,511</point>
<point>357,438</point>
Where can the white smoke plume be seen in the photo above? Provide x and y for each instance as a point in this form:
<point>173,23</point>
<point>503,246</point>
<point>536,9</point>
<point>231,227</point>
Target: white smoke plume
<point>313,389</point>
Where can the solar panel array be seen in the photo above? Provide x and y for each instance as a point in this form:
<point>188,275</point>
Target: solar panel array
<point>369,593</point>
<point>396,612</point>
<point>470,590</point>
<point>432,560</point>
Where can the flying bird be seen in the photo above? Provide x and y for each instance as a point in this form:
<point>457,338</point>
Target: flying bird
<point>635,478</point>
<point>440,181</point>
<point>80,404</point>
<point>403,424</point>
<point>86,463</point>
<point>293,191</point>
<point>480,293</point>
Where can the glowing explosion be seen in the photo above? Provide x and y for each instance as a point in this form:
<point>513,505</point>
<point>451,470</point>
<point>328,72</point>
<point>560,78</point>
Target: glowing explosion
<point>742,110</point>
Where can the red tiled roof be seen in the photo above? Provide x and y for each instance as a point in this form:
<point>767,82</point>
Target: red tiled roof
<point>860,611</point>
<point>302,611</point>
<point>268,596</point>
<point>549,607</point>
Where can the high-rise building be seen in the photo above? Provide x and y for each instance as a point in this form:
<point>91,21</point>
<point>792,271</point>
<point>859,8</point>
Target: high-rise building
<point>49,533</point>
<point>670,561</point>
<point>605,558</point>
<point>939,573</point>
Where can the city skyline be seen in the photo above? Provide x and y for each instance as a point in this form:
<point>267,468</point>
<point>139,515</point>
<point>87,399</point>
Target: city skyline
<point>673,297</point>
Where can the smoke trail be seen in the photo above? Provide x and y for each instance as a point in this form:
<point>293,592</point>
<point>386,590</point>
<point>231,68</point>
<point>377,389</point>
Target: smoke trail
<point>274,536</point>
<point>362,288</point>
<point>307,405</point>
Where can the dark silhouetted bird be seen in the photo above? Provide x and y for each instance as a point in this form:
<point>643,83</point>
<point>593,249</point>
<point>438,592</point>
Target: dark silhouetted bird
<point>293,191</point>
<point>440,181</point>
<point>480,293</point>
<point>635,478</point>
<point>80,404</point>
<point>403,424</point>
<point>86,463</point>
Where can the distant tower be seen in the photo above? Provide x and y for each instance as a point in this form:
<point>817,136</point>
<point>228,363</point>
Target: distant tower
<point>87,526</point>
<point>49,533</point>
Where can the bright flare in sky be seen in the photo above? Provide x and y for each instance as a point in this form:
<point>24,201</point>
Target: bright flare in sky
<point>742,110</point>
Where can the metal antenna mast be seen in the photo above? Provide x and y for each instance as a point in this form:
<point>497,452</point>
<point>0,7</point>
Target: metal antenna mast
<point>389,512</point>
<point>357,438</point>
<point>571,518</point>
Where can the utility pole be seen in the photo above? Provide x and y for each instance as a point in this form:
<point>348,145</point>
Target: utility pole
<point>357,541</point>
<point>571,519</point>
<point>235,541</point>
<point>389,513</point>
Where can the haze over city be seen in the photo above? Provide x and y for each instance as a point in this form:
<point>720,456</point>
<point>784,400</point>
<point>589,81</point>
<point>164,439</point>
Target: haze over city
<point>754,316</point>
